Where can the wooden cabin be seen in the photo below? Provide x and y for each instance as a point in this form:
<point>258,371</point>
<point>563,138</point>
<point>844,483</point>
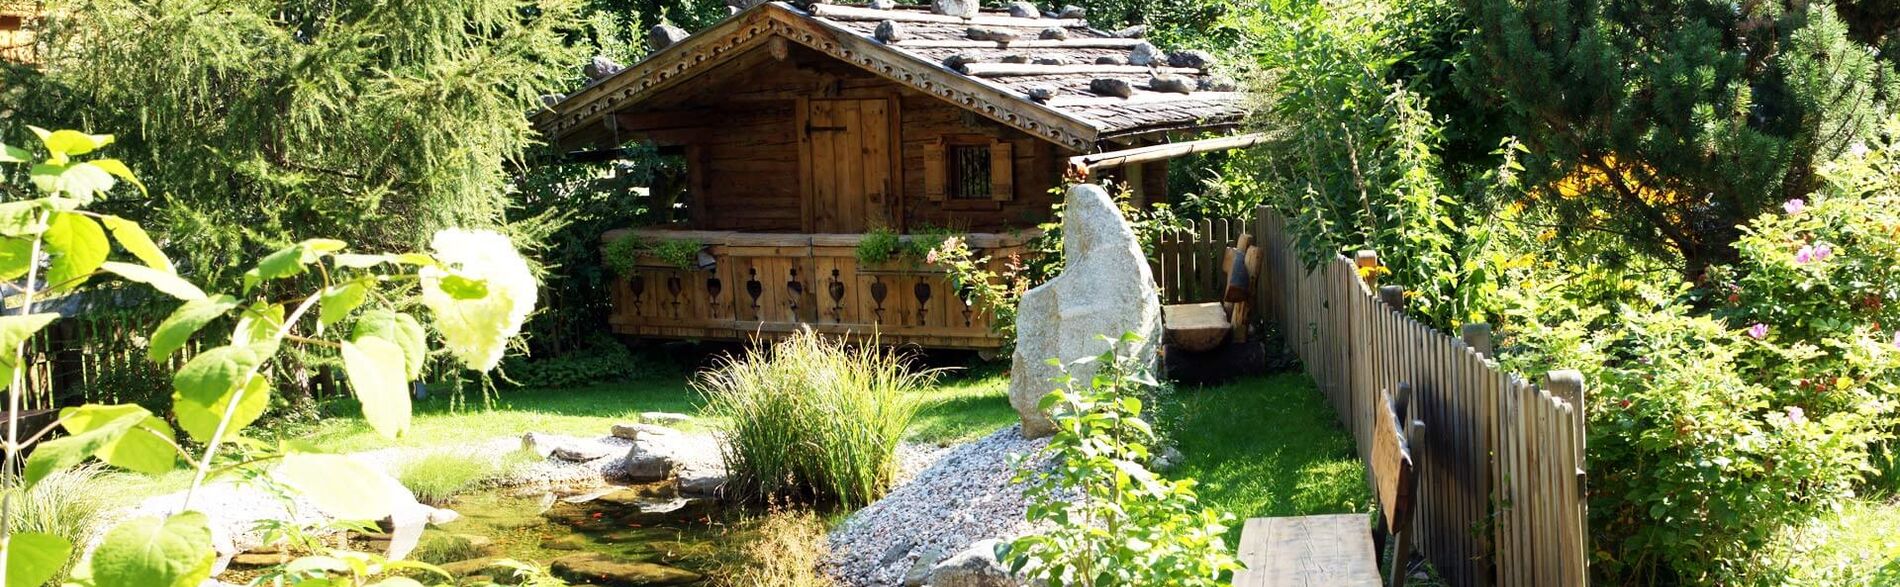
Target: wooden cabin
<point>803,127</point>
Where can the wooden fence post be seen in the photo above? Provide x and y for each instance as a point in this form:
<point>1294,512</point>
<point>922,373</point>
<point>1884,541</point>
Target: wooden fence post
<point>1393,296</point>
<point>1477,335</point>
<point>1365,260</point>
<point>1568,385</point>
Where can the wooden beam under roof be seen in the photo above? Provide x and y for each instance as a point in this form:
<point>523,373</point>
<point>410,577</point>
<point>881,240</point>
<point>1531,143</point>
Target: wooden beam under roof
<point>1087,165</point>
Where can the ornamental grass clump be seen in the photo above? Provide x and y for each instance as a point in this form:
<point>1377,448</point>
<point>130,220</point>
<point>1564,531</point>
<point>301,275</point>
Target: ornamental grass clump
<point>813,419</point>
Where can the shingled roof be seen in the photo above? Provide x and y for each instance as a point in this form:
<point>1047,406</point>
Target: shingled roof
<point>1052,77</point>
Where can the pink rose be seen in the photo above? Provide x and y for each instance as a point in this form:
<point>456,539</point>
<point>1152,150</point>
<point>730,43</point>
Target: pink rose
<point>1795,206</point>
<point>1822,251</point>
<point>1758,331</point>
<point>1805,255</point>
<point>1796,415</point>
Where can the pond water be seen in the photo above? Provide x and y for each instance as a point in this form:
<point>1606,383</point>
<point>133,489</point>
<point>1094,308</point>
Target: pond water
<point>622,536</point>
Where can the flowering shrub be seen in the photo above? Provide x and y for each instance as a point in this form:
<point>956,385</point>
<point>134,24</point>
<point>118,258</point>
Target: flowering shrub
<point>1713,433</point>
<point>1108,520</point>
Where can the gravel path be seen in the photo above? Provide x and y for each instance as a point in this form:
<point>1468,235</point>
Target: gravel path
<point>961,496</point>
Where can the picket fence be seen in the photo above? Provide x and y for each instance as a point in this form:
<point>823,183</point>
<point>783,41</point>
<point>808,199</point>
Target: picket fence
<point>1501,482</point>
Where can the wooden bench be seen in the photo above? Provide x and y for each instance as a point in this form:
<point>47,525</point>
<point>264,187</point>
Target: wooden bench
<point>1337,550</point>
<point>1206,326</point>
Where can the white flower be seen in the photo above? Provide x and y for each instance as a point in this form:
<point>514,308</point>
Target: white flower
<point>477,325</point>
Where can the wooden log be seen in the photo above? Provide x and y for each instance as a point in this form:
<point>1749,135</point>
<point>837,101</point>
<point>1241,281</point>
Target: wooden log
<point>1088,164</point>
<point>859,13</point>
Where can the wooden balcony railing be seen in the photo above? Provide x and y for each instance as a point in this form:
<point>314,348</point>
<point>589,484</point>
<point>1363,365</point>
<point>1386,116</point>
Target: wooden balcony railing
<point>766,285</point>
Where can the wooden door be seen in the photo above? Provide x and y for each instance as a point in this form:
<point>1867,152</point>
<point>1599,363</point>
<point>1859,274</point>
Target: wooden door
<point>851,167</point>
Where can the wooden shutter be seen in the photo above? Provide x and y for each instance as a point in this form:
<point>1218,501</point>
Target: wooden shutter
<point>1002,171</point>
<point>934,165</point>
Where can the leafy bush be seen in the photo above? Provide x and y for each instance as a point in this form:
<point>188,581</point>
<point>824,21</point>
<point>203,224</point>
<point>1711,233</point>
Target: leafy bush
<point>624,253</point>
<point>1106,519</point>
<point>474,283</point>
<point>810,418</point>
<point>602,360</point>
<point>882,244</point>
<point>879,244</point>
<point>1712,432</point>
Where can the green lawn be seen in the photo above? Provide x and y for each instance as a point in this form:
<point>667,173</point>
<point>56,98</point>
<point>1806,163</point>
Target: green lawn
<point>1264,446</point>
<point>963,406</point>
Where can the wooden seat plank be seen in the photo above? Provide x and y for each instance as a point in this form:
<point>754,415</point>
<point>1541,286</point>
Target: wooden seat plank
<point>1307,551</point>
<point>1195,327</point>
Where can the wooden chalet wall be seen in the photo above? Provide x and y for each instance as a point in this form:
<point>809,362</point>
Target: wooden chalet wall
<point>741,138</point>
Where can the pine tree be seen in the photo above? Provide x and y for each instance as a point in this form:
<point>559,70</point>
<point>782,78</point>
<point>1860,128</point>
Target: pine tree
<point>257,122</point>
<point>1669,123</point>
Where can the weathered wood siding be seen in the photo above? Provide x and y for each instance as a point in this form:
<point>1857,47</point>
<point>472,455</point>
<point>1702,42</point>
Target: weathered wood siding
<point>741,129</point>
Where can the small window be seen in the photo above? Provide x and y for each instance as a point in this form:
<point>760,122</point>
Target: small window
<point>969,168</point>
<point>970,172</point>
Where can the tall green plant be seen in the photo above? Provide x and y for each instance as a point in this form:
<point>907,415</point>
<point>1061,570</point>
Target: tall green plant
<point>1104,519</point>
<point>476,287</point>
<point>810,418</point>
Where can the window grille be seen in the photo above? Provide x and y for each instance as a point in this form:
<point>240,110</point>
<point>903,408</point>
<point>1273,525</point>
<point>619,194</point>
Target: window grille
<point>969,172</point>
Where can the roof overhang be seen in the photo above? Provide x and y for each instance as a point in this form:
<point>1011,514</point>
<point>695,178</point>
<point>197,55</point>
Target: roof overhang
<point>593,106</point>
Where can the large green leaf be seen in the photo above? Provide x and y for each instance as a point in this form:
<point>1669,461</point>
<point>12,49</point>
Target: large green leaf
<point>291,260</point>
<point>62,453</point>
<point>63,144</point>
<point>12,154</point>
<point>337,302</point>
<point>204,388</point>
<point>78,247</point>
<point>150,552</point>
<point>398,328</point>
<point>81,181</point>
<point>33,558</point>
<point>13,331</point>
<point>131,236</point>
<point>16,256</point>
<point>170,283</point>
<point>23,218</point>
<point>375,368</point>
<point>176,330</point>
<point>118,169</point>
<point>259,324</point>
<point>146,447</point>
<point>340,486</point>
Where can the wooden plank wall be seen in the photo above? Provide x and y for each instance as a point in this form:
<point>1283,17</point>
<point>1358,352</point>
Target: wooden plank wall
<point>1500,465</point>
<point>1187,266</point>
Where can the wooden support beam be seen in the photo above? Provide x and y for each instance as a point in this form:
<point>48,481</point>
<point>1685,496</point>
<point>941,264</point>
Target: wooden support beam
<point>1086,165</point>
<point>839,12</point>
<point>661,120</point>
<point>1009,69</point>
<point>1082,43</point>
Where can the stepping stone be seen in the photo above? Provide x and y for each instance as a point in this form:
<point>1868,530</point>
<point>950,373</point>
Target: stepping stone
<point>602,569</point>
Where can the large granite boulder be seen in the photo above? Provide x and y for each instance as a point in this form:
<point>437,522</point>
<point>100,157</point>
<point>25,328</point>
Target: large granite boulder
<point>1105,290</point>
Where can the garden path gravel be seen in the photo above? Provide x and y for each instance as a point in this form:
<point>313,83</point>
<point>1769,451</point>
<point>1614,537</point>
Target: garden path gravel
<point>959,496</point>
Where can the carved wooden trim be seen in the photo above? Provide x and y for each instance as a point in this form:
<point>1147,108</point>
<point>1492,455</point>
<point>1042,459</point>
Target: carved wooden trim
<point>753,27</point>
